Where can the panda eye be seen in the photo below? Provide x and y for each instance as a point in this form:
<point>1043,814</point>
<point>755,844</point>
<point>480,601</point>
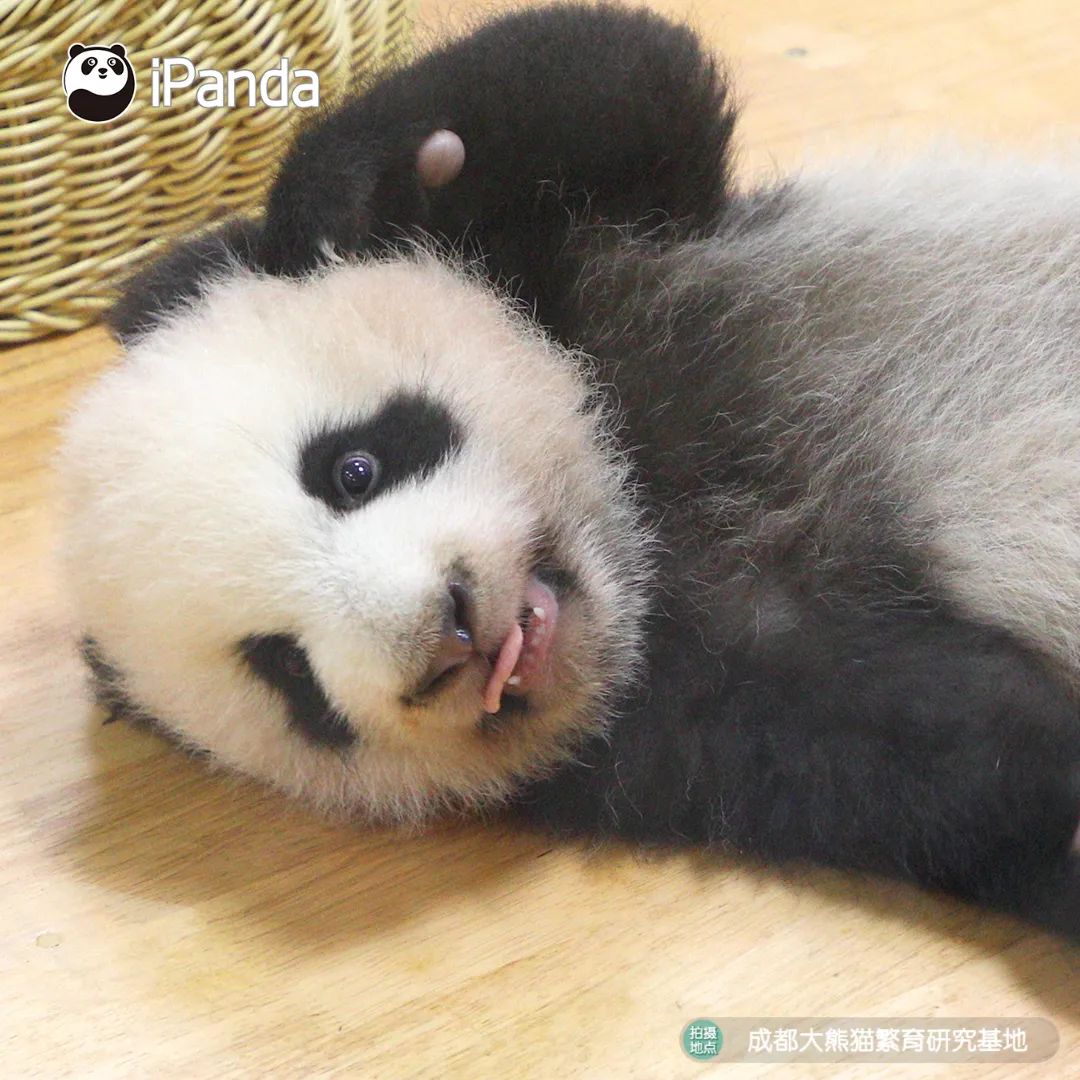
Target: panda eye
<point>114,63</point>
<point>354,476</point>
<point>88,65</point>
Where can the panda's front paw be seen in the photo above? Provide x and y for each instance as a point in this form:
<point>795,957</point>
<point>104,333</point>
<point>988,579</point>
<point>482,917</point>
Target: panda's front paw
<point>344,195</point>
<point>440,159</point>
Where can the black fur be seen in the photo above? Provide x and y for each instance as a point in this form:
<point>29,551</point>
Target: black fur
<point>108,684</point>
<point>910,743</point>
<point>280,662</point>
<point>111,695</point>
<point>409,435</point>
<point>565,112</point>
<point>175,279</point>
<point>874,729</point>
<point>817,702</point>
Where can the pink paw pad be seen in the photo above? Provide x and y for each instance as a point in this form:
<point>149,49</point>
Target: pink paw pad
<point>440,159</point>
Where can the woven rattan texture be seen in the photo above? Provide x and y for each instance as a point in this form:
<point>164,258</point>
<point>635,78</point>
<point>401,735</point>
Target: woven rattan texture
<point>81,204</point>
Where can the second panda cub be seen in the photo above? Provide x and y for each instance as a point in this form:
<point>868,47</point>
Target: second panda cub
<point>517,458</point>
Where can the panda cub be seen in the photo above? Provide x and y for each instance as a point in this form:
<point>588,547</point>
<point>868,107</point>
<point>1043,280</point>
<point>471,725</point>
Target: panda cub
<point>517,458</point>
<point>99,82</point>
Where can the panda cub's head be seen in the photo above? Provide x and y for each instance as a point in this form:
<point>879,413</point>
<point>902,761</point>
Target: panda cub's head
<point>99,82</point>
<point>363,535</point>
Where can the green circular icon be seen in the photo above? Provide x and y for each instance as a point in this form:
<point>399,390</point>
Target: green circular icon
<point>702,1040</point>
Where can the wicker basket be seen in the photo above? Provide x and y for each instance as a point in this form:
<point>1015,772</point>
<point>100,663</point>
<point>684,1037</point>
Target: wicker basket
<point>81,203</point>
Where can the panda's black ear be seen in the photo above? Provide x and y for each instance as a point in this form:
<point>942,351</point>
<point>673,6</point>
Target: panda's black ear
<point>75,49</point>
<point>179,276</point>
<point>118,49</point>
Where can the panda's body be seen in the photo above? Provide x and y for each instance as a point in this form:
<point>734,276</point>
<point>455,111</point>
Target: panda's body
<point>788,560</point>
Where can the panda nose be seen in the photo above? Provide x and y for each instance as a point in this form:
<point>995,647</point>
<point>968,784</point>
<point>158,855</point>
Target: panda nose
<point>455,645</point>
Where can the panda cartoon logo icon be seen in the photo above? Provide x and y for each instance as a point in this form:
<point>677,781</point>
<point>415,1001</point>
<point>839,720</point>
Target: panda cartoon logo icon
<point>99,81</point>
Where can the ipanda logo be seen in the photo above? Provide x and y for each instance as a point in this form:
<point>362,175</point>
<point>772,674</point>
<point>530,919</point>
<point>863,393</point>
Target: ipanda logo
<point>276,88</point>
<point>99,82</point>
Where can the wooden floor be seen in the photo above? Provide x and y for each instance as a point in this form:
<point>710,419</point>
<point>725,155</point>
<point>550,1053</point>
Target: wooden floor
<point>159,921</point>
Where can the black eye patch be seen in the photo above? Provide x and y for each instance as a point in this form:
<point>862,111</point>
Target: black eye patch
<point>409,436</point>
<point>282,664</point>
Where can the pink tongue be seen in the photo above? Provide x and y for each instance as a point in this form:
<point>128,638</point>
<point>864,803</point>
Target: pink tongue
<point>534,642</point>
<point>504,668</point>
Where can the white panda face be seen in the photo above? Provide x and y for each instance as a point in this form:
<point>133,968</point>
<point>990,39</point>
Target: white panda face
<point>310,523</point>
<point>96,70</point>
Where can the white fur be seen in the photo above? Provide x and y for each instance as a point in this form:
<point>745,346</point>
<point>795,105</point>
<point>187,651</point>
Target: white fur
<point>188,530</point>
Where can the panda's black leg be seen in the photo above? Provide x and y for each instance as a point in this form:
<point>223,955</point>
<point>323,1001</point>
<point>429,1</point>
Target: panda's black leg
<point>912,744</point>
<point>565,113</point>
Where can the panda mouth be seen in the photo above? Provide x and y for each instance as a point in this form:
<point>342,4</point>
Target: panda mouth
<point>522,658</point>
<point>519,662</point>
